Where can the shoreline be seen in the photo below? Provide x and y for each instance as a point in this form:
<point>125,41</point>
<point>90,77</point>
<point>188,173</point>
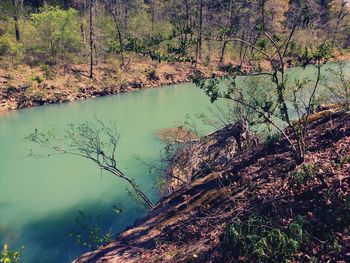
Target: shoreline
<point>73,85</point>
<point>33,87</point>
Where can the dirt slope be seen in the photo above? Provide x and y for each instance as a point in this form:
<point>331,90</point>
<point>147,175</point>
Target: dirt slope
<point>224,186</point>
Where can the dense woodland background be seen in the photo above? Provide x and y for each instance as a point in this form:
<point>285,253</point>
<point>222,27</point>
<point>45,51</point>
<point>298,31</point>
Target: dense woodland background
<point>120,31</point>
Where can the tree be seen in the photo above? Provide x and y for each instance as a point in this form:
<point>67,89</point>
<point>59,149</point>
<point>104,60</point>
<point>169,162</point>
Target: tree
<point>278,80</point>
<point>339,86</point>
<point>340,10</point>
<point>96,142</point>
<point>16,7</point>
<point>56,31</point>
<point>91,5</point>
<point>200,30</point>
<point>116,10</point>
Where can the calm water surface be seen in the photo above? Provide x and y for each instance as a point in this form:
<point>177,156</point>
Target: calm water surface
<point>40,198</point>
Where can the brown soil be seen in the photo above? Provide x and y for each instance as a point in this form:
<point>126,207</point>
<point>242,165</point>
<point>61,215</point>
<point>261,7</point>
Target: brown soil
<point>23,86</point>
<point>224,185</point>
<point>178,134</point>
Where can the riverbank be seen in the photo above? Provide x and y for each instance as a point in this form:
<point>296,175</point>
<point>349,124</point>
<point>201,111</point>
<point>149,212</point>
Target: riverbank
<point>301,210</point>
<point>23,86</point>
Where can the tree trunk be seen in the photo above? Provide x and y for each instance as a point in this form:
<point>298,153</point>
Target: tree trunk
<point>222,55</point>
<point>200,33</point>
<point>138,191</point>
<point>209,47</point>
<point>141,194</point>
<point>15,18</point>
<point>119,37</point>
<point>153,15</point>
<point>342,14</point>
<point>91,41</point>
<point>187,26</point>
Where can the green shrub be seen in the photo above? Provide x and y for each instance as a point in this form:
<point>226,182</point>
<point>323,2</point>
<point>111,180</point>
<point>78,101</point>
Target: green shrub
<point>258,240</point>
<point>303,176</point>
<point>56,32</point>
<point>152,75</point>
<point>8,256</point>
<point>90,234</point>
<point>38,79</point>
<point>9,46</point>
<point>206,61</point>
<point>272,139</point>
<point>344,160</point>
<point>11,89</point>
<point>48,74</point>
<point>228,68</point>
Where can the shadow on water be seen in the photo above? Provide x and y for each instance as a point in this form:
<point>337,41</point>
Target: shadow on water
<point>47,239</point>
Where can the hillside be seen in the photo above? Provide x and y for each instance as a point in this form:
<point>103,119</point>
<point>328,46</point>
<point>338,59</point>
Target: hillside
<point>235,201</point>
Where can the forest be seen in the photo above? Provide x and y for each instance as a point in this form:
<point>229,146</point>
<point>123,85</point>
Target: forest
<point>198,31</point>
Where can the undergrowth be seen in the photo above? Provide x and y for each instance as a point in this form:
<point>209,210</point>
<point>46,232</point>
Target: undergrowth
<point>259,240</point>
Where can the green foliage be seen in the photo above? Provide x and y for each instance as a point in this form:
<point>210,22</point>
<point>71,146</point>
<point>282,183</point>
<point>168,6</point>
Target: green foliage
<point>48,72</point>
<point>246,94</point>
<point>228,68</point>
<point>38,79</point>
<point>6,8</point>
<point>56,32</point>
<point>262,43</point>
<point>206,61</point>
<point>147,48</point>
<point>272,139</point>
<point>258,240</point>
<point>295,49</point>
<point>95,141</point>
<point>225,31</point>
<point>90,234</point>
<point>318,54</point>
<point>210,87</point>
<point>36,94</point>
<point>9,46</point>
<point>344,160</point>
<point>323,52</point>
<point>11,89</point>
<point>152,75</point>
<point>8,256</point>
<point>302,176</point>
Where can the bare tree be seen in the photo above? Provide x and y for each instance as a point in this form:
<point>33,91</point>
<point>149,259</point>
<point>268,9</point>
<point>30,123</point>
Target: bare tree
<point>200,30</point>
<point>342,13</point>
<point>277,60</point>
<point>118,9</point>
<point>94,141</point>
<point>91,6</point>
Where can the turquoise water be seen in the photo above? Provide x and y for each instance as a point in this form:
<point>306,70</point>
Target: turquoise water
<point>40,198</point>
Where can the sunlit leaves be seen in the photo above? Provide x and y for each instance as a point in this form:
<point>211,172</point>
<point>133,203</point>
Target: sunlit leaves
<point>9,256</point>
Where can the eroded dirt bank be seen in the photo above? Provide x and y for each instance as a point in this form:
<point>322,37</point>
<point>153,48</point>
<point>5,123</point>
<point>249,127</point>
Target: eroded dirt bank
<point>24,86</point>
<point>225,186</point>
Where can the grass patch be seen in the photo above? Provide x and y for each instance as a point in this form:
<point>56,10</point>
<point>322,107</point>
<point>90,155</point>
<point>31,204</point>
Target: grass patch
<point>259,240</point>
